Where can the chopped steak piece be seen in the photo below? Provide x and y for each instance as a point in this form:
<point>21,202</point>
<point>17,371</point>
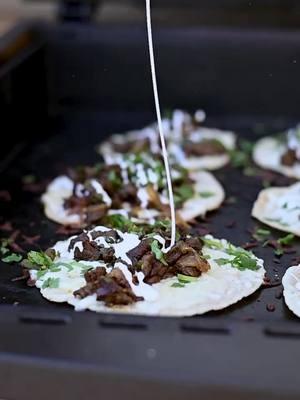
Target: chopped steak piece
<point>194,242</point>
<point>111,288</point>
<point>95,212</point>
<point>111,234</point>
<point>139,251</point>
<point>92,252</point>
<point>94,274</point>
<point>289,158</point>
<point>129,194</point>
<point>207,147</point>
<point>83,237</point>
<point>132,147</point>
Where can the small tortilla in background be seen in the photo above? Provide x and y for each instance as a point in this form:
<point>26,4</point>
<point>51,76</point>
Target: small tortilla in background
<point>279,207</point>
<point>175,141</point>
<point>267,154</point>
<point>216,289</point>
<point>291,286</point>
<point>209,195</point>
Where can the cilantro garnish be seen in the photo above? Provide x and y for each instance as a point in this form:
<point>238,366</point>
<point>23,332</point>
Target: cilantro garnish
<point>261,234</point>
<point>13,257</point>
<point>286,240</point>
<point>159,255</point>
<point>242,259</point>
<point>114,178</point>
<point>6,255</point>
<point>205,195</point>
<point>52,283</point>
<point>186,279</point>
<point>213,243</point>
<point>178,285</point>
<point>118,221</point>
<point>183,193</point>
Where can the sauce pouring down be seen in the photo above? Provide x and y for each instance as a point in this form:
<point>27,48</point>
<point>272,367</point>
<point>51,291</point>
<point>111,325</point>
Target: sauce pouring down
<point>160,127</point>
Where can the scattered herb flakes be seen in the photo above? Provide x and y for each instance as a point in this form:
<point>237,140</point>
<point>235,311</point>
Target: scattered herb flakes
<point>286,240</point>
<point>285,205</point>
<point>11,258</point>
<point>39,258</point>
<point>28,179</point>
<point>114,178</point>
<point>278,220</point>
<point>261,234</point>
<point>41,273</point>
<point>159,255</point>
<point>177,285</point>
<point>186,279</point>
<point>183,193</point>
<point>52,283</point>
<point>206,195</point>
<point>118,221</point>
<point>212,243</point>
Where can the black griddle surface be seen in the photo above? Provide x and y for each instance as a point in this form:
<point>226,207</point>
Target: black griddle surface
<point>71,141</point>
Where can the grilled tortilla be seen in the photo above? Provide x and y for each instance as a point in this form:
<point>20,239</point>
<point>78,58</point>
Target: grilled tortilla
<point>134,190</point>
<point>279,207</point>
<point>189,143</point>
<point>291,286</point>
<point>106,270</point>
<point>280,153</point>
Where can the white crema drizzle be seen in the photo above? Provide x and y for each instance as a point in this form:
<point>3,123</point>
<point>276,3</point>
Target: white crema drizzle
<point>160,127</point>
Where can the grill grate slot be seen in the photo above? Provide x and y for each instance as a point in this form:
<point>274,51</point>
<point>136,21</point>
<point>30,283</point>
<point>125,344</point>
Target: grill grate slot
<point>45,319</point>
<point>201,329</point>
<point>123,325</point>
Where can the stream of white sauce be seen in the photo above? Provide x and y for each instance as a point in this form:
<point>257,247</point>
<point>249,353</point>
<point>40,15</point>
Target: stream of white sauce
<point>160,126</point>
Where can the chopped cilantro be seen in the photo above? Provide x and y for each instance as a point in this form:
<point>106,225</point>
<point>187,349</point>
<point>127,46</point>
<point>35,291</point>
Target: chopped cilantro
<point>278,220</point>
<point>114,178</point>
<point>285,205</point>
<point>213,243</point>
<point>183,193</point>
<point>52,283</point>
<point>243,259</point>
<point>186,279</point>
<point>205,195</point>
<point>39,258</point>
<point>261,234</point>
<point>177,285</point>
<point>13,257</point>
<point>286,240</point>
<point>118,221</point>
<point>159,255</point>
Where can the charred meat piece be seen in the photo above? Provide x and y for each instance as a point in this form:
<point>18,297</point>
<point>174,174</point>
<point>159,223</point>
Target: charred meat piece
<point>129,194</point>
<point>132,146</point>
<point>111,234</point>
<point>92,252</point>
<point>94,274</point>
<point>139,251</point>
<point>207,147</point>
<point>95,212</point>
<point>289,158</point>
<point>111,288</point>
<point>83,237</point>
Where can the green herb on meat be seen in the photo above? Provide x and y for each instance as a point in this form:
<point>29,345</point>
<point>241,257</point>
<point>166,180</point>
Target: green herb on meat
<point>114,179</point>
<point>183,193</point>
<point>159,255</point>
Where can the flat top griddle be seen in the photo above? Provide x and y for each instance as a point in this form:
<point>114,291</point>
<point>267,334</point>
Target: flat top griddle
<point>67,147</point>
